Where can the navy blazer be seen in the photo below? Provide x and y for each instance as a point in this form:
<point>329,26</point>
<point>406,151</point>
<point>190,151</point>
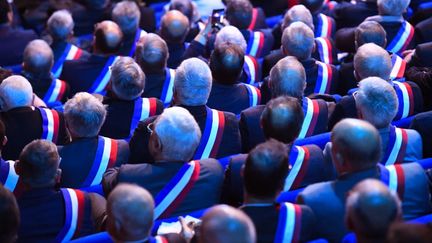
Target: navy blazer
<point>231,98</point>
<point>351,15</point>
<point>13,42</point>
<point>42,85</point>
<point>422,123</point>
<point>423,31</point>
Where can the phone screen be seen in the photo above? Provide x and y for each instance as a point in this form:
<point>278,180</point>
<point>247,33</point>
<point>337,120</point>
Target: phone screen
<point>217,17</point>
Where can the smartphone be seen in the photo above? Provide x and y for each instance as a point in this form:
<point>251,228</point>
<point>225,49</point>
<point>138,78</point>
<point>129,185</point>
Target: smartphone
<point>217,17</point>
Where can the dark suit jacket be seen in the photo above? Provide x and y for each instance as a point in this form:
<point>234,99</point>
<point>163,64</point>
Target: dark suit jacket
<point>154,178</point>
<point>230,143</point>
<point>23,125</point>
<point>86,17</point>
<point>154,84</point>
<point>422,123</point>
<point>13,43</point>
<point>41,86</point>
<point>58,49</point>
<point>421,57</point>
<point>176,54</point>
<point>351,15</point>
<point>230,98</point>
<point>423,31</point>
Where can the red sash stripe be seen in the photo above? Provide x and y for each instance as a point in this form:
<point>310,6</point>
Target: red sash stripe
<point>81,208</point>
<point>113,153</point>
<point>254,19</point>
<point>297,228</point>
<point>402,151</point>
<point>411,98</point>
<point>219,135</point>
<point>316,111</point>
<point>153,106</point>
<point>305,165</point>
<point>400,181</point>
<point>56,126</point>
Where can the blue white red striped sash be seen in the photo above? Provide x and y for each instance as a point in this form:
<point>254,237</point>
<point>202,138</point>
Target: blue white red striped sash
<point>324,49</point>
<point>251,69</point>
<point>55,91</point>
<point>396,147</point>
<point>406,99</point>
<point>311,112</point>
<point>299,160</point>
<point>402,38</point>
<point>324,27</point>
<point>254,95</point>
<point>289,224</point>
<point>158,239</point>
<point>105,157</point>
<point>167,90</point>
<point>398,69</point>
<point>255,44</point>
<point>212,135</point>
<point>50,124</point>
<point>74,213</point>
<point>8,176</point>
<point>102,80</point>
<point>143,108</point>
<point>71,52</point>
<point>176,190</point>
<point>394,177</point>
<point>254,19</point>
<point>139,33</point>
<point>324,78</point>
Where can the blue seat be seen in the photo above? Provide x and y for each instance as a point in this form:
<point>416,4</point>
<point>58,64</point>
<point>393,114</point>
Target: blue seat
<point>320,140</point>
<point>102,237</point>
<point>403,123</point>
<point>274,20</point>
<point>289,196</point>
<point>94,189</point>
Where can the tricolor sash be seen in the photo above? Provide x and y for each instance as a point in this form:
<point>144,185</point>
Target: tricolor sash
<point>176,190</point>
<point>324,78</point>
<point>396,147</point>
<point>106,156</point>
<point>406,99</point>
<point>55,91</point>
<point>139,33</point>
<point>71,52</point>
<point>324,49</point>
<point>254,95</point>
<point>394,177</point>
<point>50,124</point>
<point>158,239</point>
<point>398,69</point>
<point>300,156</point>
<point>9,177</point>
<point>255,44</point>
<point>251,68</point>
<point>289,224</point>
<point>402,38</point>
<point>311,112</point>
<point>324,27</point>
<point>74,214</point>
<point>102,80</point>
<point>212,136</point>
<point>167,91</point>
<point>143,108</point>
<point>254,19</point>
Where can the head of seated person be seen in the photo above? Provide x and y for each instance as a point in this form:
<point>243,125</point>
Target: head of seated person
<point>315,6</point>
<point>298,41</point>
<point>370,32</point>
<point>96,4</point>
<point>226,63</point>
<point>282,119</point>
<point>355,146</point>
<point>175,136</point>
<point>127,15</point>
<point>15,91</point>
<point>239,13</point>
<point>186,7</point>
<point>371,60</point>
<point>38,164</point>
<point>129,213</point>
<point>10,215</point>
<point>298,13</point>
<point>174,27</point>
<point>376,102</point>
<point>127,79</point>
<point>287,77</point>
<point>107,38</point>
<point>230,34</point>
<point>84,115</point>
<point>152,53</point>
<point>224,223</point>
<point>192,83</point>
<point>6,14</point>
<point>60,25</point>
<point>409,232</point>
<point>38,59</point>
<point>371,208</point>
<point>392,7</point>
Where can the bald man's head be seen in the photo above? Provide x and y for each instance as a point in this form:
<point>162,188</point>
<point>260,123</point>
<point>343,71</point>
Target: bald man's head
<point>38,58</point>
<point>372,60</point>
<point>370,32</point>
<point>226,63</point>
<point>298,13</point>
<point>151,53</point>
<point>222,223</point>
<point>356,145</point>
<point>298,40</point>
<point>107,38</point>
<point>287,77</point>
<point>174,27</point>
<point>130,213</point>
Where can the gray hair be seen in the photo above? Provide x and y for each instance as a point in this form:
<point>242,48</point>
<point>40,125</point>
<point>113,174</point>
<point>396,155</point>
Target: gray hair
<point>287,77</point>
<point>15,91</point>
<point>127,15</point>
<point>38,57</point>
<point>60,25</point>
<point>298,13</point>
<point>152,51</point>
<point>178,132</point>
<point>84,115</point>
<point>127,78</point>
<point>230,34</point>
<point>392,7</point>
<point>377,101</point>
<point>193,81</point>
<point>372,60</point>
<point>298,40</point>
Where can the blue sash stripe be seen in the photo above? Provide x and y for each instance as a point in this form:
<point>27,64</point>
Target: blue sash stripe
<point>44,123</point>
<point>385,175</point>
<point>102,75</point>
<point>399,94</point>
<point>136,115</point>
<point>58,66</point>
<point>206,135</point>
<point>96,163</point>
<point>281,224</point>
<point>136,39</point>
<point>171,184</point>
<point>68,216</point>
<point>165,88</point>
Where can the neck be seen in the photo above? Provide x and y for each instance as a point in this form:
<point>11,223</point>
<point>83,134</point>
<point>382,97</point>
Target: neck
<point>248,199</point>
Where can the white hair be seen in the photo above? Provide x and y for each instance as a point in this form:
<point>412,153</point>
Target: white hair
<point>193,81</point>
<point>15,91</point>
<point>392,7</point>
<point>230,34</point>
<point>377,101</point>
<point>298,40</point>
<point>372,60</point>
<point>298,13</point>
<point>127,15</point>
<point>127,78</point>
<point>84,115</point>
<point>60,25</point>
<point>178,132</point>
<point>287,77</point>
<point>38,57</point>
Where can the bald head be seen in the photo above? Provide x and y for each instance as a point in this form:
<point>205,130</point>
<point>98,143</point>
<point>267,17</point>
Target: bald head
<point>372,61</point>
<point>222,224</point>
<point>15,91</point>
<point>107,38</point>
<point>230,34</point>
<point>174,27</point>
<point>127,15</point>
<point>152,53</point>
<point>298,40</point>
<point>298,13</point>
<point>130,213</point>
<point>38,57</point>
<point>226,63</point>
<point>287,77</point>
<point>60,25</point>
<point>370,32</point>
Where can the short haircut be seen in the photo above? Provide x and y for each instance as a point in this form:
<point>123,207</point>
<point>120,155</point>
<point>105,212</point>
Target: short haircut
<point>84,115</point>
<point>127,79</point>
<point>178,132</point>
<point>184,6</point>
<point>5,9</point>
<point>193,82</point>
<point>282,119</point>
<point>298,40</point>
<point>230,34</point>
<point>15,91</point>
<point>370,32</point>
<point>298,13</point>
<point>372,61</point>
<point>266,169</point>
<point>10,216</point>
<point>377,100</point>
<point>151,52</point>
<point>392,7</point>
<point>108,37</point>
<point>127,15</point>
<point>314,6</point>
<point>60,25</point>
<point>174,27</point>
<point>287,77</point>
<point>239,13</point>
<point>226,63</point>
<point>38,163</point>
<point>38,57</point>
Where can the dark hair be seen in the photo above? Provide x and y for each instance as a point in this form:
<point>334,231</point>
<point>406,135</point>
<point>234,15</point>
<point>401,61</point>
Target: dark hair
<point>239,13</point>
<point>226,63</point>
<point>266,169</point>
<point>5,9</point>
<point>2,134</point>
<point>314,6</point>
<point>9,215</point>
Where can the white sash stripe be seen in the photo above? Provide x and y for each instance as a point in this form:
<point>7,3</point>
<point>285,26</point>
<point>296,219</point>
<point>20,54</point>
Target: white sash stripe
<point>324,26</point>
<point>396,147</point>
<point>396,67</point>
<point>251,66</point>
<point>104,82</point>
<point>72,52</point>
<point>55,92</point>
<point>255,44</point>
<point>393,182</point>
<point>406,101</point>
<point>254,94</point>
<point>145,109</point>
<point>325,77</point>
<point>213,133</point>
<point>50,132</point>
<point>295,169</point>
<point>74,202</point>
<point>403,38</point>
<point>325,49</point>
<point>290,222</point>
<point>158,239</point>
<point>104,162</point>
<point>307,120</point>
<point>170,91</point>
<point>12,178</point>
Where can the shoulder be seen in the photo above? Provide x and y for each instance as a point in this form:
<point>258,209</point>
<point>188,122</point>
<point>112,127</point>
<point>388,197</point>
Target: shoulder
<point>314,150</point>
<point>252,111</point>
<point>230,118</point>
<point>212,165</point>
<point>315,192</point>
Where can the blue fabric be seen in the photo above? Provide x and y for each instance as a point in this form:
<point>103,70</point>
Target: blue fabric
<point>289,196</point>
<point>272,21</point>
<point>94,189</point>
<point>99,237</point>
<point>422,220</point>
<point>425,163</point>
<point>320,140</point>
<point>403,123</point>
<point>349,238</point>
